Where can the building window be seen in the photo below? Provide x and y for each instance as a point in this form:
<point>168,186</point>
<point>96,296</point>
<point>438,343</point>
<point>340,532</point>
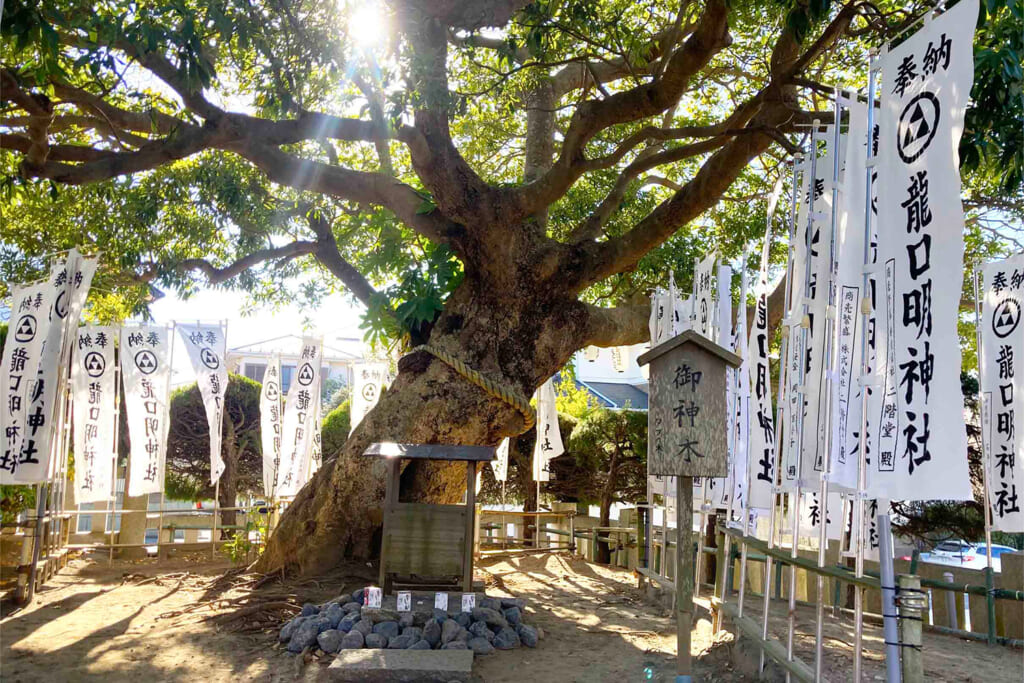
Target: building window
<point>85,521</point>
<point>118,505</point>
<point>153,503</point>
<point>205,536</point>
<point>254,371</point>
<point>152,536</point>
<point>287,371</point>
<point>179,535</point>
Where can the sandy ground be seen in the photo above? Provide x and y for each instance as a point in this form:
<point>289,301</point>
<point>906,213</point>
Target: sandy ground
<point>172,621</point>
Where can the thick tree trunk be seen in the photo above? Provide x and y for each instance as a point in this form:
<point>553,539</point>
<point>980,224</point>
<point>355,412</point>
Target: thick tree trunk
<point>514,332</point>
<point>604,553</point>
<point>228,490</point>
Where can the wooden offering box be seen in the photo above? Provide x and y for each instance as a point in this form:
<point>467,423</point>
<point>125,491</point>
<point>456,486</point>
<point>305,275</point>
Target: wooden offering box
<point>426,545</point>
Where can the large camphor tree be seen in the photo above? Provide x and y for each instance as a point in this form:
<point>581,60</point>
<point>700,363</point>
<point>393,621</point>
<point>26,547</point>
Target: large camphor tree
<point>497,178</point>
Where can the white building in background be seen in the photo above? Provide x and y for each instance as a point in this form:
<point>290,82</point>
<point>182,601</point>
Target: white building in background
<point>613,376</point>
<point>339,355</point>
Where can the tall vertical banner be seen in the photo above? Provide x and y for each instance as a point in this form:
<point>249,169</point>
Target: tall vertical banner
<point>206,348</point>
<point>704,286</point>
<point>500,462</point>
<point>145,354</point>
<point>549,439</point>
<point>370,380</point>
<point>299,416</point>
<point>1002,367</point>
<point>316,450</point>
<point>811,512</point>
<point>741,414</point>
<point>92,390</point>
<point>923,441</point>
<point>849,329</point>
<point>270,423</point>
<point>30,318</point>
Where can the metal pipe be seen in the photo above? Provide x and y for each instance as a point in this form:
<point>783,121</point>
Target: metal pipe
<point>890,618</point>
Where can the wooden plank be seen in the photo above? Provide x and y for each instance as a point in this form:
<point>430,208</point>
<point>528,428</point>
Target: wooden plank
<point>467,552</point>
<point>425,540</point>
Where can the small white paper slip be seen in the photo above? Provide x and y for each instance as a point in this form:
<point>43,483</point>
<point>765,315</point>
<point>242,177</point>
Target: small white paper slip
<point>373,597</point>
<point>441,601</point>
<point>404,601</point>
<point>468,602</point>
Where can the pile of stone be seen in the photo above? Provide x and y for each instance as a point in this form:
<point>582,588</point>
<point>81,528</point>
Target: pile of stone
<point>495,623</point>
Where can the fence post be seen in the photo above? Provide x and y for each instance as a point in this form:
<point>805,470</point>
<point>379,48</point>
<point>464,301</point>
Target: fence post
<point>572,533</point>
<point>720,587</point>
<point>911,662</point>
<point>950,602</point>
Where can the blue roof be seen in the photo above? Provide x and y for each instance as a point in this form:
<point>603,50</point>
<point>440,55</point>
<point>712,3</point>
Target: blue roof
<point>616,394</point>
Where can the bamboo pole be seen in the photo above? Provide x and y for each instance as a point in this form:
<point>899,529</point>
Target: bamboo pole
<point>684,579</point>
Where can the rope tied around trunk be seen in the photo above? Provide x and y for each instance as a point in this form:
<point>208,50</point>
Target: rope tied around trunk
<point>495,389</point>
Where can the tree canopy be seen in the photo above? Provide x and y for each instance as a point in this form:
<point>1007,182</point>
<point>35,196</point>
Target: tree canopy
<point>502,179</point>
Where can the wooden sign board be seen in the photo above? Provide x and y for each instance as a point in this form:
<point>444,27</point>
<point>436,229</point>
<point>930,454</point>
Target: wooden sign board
<point>687,413</point>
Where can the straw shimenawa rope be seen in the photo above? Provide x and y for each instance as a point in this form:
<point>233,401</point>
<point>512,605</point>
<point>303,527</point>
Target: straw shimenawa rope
<point>495,389</point>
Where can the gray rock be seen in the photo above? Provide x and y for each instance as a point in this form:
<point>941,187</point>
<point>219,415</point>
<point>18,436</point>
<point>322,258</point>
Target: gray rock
<point>490,603</point>
<point>421,618</point>
<point>353,640</point>
<point>322,624</point>
<point>527,635</point>
<point>364,626</point>
<point>479,629</point>
<point>463,619</point>
<point>454,645</point>
<point>513,615</point>
<point>463,635</point>
<point>388,629</point>
<point>348,621</point>
<point>402,642</point>
<point>412,630</point>
<point>432,633</point>
<point>440,616</point>
<point>513,602</point>
<point>420,645</point>
<point>330,640</point>
<point>407,619</point>
<point>480,646</point>
<point>335,614</point>
<point>506,639</point>
<point>489,616</point>
<point>449,629</point>
<point>303,637</point>
<point>379,615</point>
<point>309,609</point>
<point>350,607</point>
<point>357,595</point>
<point>289,628</point>
<point>377,641</point>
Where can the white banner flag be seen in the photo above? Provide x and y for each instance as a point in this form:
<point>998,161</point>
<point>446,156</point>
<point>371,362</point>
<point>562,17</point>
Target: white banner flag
<point>1002,366</point>
<point>549,438</point>
<point>299,417</point>
<point>500,462</point>
<point>270,423</point>
<point>811,513</point>
<point>927,82</point>
<point>92,387</point>
<point>741,377</point>
<point>370,380</point>
<point>762,425</point>
<point>30,319</point>
<point>849,329</point>
<point>704,292</point>
<point>316,451</point>
<point>207,348</point>
<point>145,353</point>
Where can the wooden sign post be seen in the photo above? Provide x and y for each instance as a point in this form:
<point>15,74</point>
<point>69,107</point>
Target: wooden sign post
<point>687,425</point>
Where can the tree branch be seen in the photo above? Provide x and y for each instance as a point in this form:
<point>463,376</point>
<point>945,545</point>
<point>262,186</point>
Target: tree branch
<point>328,254</point>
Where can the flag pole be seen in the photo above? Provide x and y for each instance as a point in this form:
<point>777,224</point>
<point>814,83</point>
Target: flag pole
<point>167,402</point>
<point>780,410</point>
<point>981,413</point>
<point>117,441</point>
<point>805,329</point>
<point>865,375</point>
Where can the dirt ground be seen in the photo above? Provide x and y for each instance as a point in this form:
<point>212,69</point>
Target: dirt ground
<point>188,620</point>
